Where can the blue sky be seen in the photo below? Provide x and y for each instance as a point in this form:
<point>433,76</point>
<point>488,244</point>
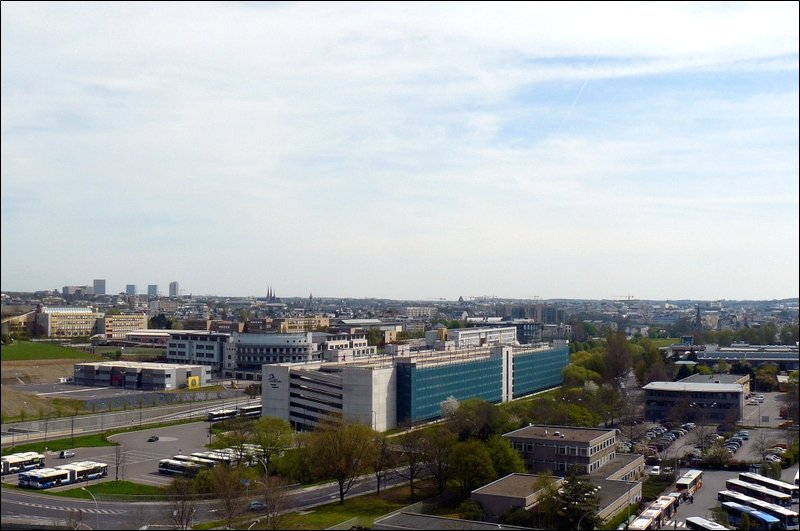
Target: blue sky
<point>403,150</point>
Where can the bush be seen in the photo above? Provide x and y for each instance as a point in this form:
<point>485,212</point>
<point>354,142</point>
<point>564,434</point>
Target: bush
<point>471,510</point>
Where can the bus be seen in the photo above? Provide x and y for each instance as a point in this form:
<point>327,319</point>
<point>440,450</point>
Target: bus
<point>690,482</point>
<point>22,461</point>
<point>772,484</point>
<point>178,468</point>
<point>789,519</point>
<point>759,492</point>
<point>250,411</point>
<point>758,521</point>
<point>221,414</point>
<point>43,478</point>
<point>696,522</point>
<point>642,523</point>
<point>202,461</point>
<point>85,470</point>
<point>797,478</point>
<point>214,456</point>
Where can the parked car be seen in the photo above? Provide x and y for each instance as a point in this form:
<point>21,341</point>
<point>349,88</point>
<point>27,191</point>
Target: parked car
<point>153,438</point>
<point>772,458</point>
<point>257,506</point>
<point>752,402</point>
<point>777,450</point>
<point>66,454</point>
<point>656,470</point>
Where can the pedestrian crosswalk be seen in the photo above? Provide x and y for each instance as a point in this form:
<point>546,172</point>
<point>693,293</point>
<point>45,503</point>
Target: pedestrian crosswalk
<point>674,524</point>
<point>73,509</point>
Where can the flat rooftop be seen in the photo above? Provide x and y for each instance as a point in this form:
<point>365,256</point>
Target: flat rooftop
<point>570,433</point>
<point>707,387</point>
<point>139,365</point>
<point>714,378</point>
<point>519,485</point>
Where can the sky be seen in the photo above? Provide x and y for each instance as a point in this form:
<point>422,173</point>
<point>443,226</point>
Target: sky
<point>403,150</point>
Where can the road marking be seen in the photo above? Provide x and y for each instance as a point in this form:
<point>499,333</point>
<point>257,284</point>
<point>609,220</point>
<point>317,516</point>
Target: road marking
<point>62,508</point>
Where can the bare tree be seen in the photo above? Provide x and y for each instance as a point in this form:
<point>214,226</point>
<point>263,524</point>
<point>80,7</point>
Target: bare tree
<point>183,503</point>
<point>761,444</point>
<point>384,458</point>
<point>74,519</point>
<point>120,458</point>
<point>228,491</point>
<point>412,458</point>
<point>277,500</point>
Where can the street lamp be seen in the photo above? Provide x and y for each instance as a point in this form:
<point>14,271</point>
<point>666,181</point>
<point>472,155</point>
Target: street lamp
<point>96,508</point>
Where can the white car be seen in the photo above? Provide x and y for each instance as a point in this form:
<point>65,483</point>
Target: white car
<point>772,458</point>
<point>656,471</point>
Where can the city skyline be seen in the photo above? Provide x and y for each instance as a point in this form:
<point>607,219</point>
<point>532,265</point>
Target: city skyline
<point>403,151</point>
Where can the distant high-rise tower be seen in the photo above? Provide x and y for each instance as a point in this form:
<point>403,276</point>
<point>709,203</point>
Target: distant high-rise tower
<point>173,289</point>
<point>130,289</point>
<point>152,290</point>
<point>99,286</point>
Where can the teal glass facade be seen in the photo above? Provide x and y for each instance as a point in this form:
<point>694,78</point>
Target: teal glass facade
<point>537,370</point>
<point>421,390</point>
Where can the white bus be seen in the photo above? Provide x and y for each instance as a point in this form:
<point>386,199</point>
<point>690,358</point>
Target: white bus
<point>202,461</point>
<point>759,492</point>
<point>772,484</point>
<point>178,468</point>
<point>43,478</point>
<point>250,411</point>
<point>85,470</point>
<point>221,414</point>
<point>696,522</point>
<point>22,461</point>
<point>788,518</point>
<point>690,482</point>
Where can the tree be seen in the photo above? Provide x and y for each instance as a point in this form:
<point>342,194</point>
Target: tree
<point>618,358</point>
<point>342,451</point>
<point>276,498</point>
<point>228,491</point>
<point>471,465</point>
<point>547,503</point>
<point>273,436</point>
<point>183,502</point>
<point>384,459</point>
<point>437,447</point>
<point>761,444</point>
<point>578,502</point>
<point>120,460</point>
<point>412,457</point>
<point>374,336</point>
<point>476,417</point>
<point>505,459</point>
<point>471,510</point>
<point>449,407</point>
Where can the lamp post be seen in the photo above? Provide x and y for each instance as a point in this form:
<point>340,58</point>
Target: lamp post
<point>96,508</point>
<point>701,408</point>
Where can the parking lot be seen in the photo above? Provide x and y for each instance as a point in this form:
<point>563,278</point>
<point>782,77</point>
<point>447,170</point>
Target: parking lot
<point>705,500</point>
<point>140,461</point>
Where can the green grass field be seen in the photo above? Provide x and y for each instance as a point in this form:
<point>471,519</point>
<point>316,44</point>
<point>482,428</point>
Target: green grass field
<point>111,489</point>
<point>27,350</point>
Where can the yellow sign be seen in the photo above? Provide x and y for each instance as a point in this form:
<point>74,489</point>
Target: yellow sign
<point>192,382</point>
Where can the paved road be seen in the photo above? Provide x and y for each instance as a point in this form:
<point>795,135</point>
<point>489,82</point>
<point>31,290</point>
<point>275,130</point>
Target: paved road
<point>141,466</point>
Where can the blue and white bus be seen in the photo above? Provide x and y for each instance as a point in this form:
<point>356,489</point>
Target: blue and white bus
<point>758,521</point>
<point>178,468</point>
<point>788,518</point>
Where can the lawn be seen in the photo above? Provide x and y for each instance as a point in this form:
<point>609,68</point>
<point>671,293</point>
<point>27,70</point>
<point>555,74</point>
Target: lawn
<point>108,490</point>
<point>28,350</point>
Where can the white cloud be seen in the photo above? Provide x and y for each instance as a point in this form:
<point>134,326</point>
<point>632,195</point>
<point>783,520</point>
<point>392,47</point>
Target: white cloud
<point>520,138</point>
